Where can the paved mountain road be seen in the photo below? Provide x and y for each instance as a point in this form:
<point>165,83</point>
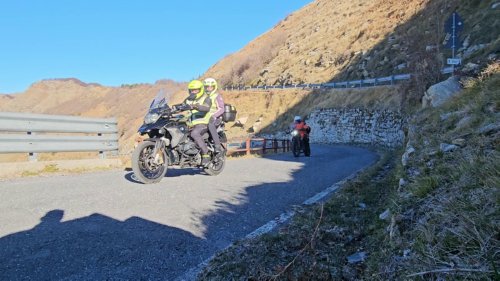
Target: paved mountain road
<point>106,226</point>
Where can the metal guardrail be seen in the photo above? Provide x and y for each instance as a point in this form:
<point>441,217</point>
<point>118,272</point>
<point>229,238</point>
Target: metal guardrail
<point>382,81</point>
<point>259,145</point>
<point>39,135</point>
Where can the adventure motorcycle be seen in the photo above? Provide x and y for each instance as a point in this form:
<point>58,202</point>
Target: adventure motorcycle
<point>169,143</point>
<point>300,144</point>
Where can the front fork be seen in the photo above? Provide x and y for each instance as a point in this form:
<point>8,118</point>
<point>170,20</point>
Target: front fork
<point>160,145</point>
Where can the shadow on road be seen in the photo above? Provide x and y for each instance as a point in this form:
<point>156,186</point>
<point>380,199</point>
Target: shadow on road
<point>96,247</point>
<point>171,172</point>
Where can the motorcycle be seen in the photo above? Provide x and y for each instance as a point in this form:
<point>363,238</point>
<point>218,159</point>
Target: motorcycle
<point>169,144</point>
<point>300,144</point>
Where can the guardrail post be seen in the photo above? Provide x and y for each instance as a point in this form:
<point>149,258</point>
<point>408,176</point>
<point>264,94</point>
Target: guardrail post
<point>275,145</point>
<point>248,146</point>
<point>264,147</point>
<point>347,84</point>
<point>102,154</point>
<point>32,156</point>
<point>375,82</point>
<point>392,79</point>
<point>284,145</point>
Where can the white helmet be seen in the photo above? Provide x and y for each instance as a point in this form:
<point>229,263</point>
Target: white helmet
<point>210,82</point>
<point>297,118</point>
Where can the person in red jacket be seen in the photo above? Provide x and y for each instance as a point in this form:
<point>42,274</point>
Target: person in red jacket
<point>301,126</point>
<point>304,131</point>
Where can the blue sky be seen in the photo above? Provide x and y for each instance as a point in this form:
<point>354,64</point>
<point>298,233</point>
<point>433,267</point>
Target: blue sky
<point>117,42</point>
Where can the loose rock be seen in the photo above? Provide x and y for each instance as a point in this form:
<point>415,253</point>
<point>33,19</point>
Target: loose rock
<point>459,142</point>
<point>402,182</point>
<point>446,147</point>
<point>489,129</point>
<point>441,92</point>
<point>385,215</point>
<point>406,156</point>
<point>357,257</point>
<point>464,122</point>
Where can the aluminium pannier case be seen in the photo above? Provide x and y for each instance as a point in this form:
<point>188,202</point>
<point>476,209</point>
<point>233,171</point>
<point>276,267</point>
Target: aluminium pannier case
<point>229,113</point>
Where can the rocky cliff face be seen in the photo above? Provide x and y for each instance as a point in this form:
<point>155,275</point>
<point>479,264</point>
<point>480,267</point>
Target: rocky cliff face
<point>375,127</point>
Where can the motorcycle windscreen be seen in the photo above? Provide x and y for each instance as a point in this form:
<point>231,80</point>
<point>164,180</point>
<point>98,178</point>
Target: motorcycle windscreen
<point>160,100</point>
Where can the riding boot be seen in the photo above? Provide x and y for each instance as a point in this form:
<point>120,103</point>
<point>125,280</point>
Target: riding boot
<point>205,159</point>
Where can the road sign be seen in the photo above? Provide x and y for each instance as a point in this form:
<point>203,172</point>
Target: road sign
<point>453,61</point>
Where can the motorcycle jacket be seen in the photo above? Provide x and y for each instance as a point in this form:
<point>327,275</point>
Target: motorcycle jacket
<point>303,128</point>
<point>200,112</point>
<point>217,108</point>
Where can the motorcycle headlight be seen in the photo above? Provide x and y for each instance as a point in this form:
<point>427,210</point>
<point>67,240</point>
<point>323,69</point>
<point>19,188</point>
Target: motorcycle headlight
<point>151,118</point>
<point>295,132</point>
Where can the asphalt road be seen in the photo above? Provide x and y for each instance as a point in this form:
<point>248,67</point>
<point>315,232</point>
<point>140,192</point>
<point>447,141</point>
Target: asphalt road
<point>106,226</point>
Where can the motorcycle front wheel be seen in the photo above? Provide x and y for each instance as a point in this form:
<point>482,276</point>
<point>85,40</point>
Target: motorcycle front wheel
<point>146,168</point>
<point>307,148</point>
<point>296,147</point>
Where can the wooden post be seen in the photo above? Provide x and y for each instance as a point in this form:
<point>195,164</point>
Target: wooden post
<point>248,146</point>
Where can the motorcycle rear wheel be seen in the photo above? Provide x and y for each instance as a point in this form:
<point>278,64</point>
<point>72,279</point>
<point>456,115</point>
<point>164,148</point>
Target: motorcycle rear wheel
<point>216,167</point>
<point>143,164</point>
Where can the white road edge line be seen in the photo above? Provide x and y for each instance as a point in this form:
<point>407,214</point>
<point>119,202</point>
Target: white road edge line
<point>192,273</point>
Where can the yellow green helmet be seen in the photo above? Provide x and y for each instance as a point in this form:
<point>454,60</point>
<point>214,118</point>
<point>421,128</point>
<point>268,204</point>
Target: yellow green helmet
<point>210,82</point>
<point>195,88</point>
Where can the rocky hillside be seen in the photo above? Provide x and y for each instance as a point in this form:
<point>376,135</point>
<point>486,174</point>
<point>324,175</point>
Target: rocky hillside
<point>359,39</point>
<point>431,215</point>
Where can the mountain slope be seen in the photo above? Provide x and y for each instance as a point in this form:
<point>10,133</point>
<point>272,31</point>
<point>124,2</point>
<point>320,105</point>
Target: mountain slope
<point>357,39</point>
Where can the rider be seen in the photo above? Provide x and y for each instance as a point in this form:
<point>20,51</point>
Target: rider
<point>304,130</point>
<point>199,104</point>
<point>216,110</point>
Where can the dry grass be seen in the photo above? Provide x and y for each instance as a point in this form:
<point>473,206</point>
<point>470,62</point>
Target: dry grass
<point>444,223</point>
<point>454,227</point>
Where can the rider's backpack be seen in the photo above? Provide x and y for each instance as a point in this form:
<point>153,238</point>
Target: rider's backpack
<point>229,113</point>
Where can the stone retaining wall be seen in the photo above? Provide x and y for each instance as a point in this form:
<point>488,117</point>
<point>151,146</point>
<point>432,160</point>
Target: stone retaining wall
<point>378,127</point>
